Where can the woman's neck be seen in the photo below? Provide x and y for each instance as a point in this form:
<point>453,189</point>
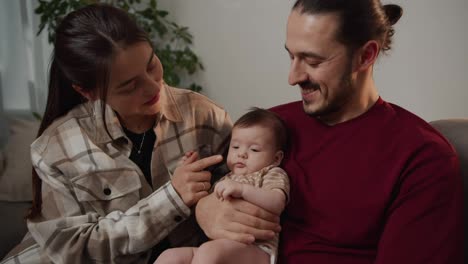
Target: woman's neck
<point>138,124</point>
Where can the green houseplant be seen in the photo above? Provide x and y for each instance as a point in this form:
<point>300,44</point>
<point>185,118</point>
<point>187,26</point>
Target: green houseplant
<point>171,42</point>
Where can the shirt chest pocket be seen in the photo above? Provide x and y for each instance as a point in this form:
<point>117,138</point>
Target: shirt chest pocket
<point>107,191</point>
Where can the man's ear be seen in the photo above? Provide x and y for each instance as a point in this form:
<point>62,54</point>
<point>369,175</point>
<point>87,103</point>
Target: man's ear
<point>86,94</point>
<point>278,157</point>
<point>366,56</point>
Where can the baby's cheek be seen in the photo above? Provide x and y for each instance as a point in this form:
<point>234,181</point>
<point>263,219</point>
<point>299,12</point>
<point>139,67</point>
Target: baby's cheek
<point>229,163</point>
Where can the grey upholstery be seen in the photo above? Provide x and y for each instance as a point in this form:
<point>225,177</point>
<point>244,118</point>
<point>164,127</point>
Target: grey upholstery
<point>456,131</point>
<point>13,212</point>
<point>12,224</point>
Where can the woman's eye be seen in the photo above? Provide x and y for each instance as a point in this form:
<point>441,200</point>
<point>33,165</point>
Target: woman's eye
<point>235,147</point>
<point>255,150</point>
<point>129,89</point>
<point>126,90</point>
<point>151,67</point>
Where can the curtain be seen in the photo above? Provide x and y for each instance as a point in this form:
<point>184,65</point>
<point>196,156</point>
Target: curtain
<point>24,57</point>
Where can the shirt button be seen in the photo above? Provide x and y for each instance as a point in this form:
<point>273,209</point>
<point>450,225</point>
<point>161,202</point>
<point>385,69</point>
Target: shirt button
<point>177,218</point>
<point>107,191</point>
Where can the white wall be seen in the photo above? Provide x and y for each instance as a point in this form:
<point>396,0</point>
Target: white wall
<point>241,43</point>
<point>427,72</point>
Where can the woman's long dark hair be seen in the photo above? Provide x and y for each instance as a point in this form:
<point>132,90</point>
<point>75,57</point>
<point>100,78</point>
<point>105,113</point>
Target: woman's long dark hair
<point>85,45</point>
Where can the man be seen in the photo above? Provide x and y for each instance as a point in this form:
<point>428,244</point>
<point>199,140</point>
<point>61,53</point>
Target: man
<point>370,182</point>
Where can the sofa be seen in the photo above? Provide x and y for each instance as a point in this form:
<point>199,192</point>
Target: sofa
<point>18,130</point>
<point>456,131</point>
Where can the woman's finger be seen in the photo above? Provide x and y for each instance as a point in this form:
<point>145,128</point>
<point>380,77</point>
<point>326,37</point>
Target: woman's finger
<point>201,164</point>
<point>197,196</point>
<point>202,176</point>
<point>205,186</point>
<point>188,159</point>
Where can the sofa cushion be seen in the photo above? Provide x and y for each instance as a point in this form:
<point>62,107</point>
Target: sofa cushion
<point>4,133</point>
<point>13,228</point>
<point>456,131</point>
<point>15,178</point>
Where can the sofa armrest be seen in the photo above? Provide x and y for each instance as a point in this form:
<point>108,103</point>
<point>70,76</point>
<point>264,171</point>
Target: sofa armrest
<point>12,224</point>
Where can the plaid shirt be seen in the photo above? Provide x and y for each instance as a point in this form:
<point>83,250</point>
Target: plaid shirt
<point>97,204</point>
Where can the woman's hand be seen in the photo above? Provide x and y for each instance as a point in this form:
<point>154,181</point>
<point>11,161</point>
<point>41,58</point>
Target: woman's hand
<point>190,180</point>
<point>185,157</point>
<point>235,219</point>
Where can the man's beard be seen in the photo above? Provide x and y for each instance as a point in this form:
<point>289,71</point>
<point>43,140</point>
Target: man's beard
<point>334,104</point>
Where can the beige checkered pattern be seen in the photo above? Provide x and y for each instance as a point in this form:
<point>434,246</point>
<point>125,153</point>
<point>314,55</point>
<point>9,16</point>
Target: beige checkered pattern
<point>97,205</point>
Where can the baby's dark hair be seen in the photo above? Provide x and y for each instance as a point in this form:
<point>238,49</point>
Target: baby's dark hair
<point>258,116</point>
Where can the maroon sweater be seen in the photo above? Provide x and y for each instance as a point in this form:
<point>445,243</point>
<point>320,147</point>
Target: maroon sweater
<point>383,188</point>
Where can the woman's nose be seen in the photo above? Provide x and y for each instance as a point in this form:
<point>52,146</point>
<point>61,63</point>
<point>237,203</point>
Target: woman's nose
<point>150,86</point>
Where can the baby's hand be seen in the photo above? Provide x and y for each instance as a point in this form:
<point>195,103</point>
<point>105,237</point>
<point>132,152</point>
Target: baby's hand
<point>228,188</point>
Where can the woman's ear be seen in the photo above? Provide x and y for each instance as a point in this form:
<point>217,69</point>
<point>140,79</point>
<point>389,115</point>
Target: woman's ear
<point>278,157</point>
<point>86,94</point>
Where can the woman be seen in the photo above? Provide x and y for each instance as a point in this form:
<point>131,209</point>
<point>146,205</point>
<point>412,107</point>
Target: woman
<point>106,187</point>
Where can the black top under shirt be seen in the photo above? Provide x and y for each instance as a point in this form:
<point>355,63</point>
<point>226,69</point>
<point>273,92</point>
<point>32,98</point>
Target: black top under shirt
<point>143,160</point>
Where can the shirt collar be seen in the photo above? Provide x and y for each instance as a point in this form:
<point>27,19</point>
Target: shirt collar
<point>169,110</point>
<point>111,122</point>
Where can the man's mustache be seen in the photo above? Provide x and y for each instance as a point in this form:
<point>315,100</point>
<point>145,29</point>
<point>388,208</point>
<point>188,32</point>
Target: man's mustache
<point>309,85</point>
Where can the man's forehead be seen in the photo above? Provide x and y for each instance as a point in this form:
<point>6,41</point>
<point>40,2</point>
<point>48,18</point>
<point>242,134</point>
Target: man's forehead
<point>311,31</point>
<point>324,24</point>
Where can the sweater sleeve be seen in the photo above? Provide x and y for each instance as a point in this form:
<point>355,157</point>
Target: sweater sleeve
<point>70,231</point>
<point>424,222</point>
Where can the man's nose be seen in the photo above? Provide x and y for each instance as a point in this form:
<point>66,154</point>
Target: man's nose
<point>296,73</point>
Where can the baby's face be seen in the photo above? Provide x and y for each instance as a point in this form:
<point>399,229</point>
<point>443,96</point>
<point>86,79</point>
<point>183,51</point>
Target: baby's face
<point>251,149</point>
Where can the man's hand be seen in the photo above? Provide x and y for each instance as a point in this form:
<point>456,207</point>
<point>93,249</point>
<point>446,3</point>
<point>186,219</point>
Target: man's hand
<point>235,219</point>
<point>190,181</point>
<point>227,188</point>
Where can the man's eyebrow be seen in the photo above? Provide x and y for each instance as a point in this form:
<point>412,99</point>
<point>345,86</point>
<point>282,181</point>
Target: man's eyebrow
<point>131,79</point>
<point>307,54</point>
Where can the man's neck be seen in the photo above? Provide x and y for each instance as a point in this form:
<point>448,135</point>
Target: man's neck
<point>364,96</point>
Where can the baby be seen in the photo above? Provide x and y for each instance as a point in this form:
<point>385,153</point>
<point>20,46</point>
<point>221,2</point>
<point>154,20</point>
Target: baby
<point>256,150</point>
